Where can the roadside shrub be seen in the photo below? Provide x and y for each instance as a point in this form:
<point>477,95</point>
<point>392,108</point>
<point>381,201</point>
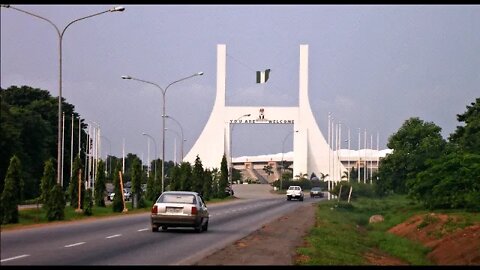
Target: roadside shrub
<point>55,204</point>
<point>88,203</point>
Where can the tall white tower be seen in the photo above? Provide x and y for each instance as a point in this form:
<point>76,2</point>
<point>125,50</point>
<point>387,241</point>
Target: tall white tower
<point>311,151</point>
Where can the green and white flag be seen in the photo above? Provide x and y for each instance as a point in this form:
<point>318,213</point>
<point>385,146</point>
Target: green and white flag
<point>262,76</point>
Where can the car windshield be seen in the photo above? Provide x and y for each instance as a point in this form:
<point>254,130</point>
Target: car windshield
<point>316,188</point>
<point>177,198</point>
<point>294,188</point>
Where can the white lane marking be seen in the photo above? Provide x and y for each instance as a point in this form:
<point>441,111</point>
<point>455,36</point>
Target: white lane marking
<point>113,236</point>
<point>14,258</point>
<point>76,244</point>
<point>141,230</point>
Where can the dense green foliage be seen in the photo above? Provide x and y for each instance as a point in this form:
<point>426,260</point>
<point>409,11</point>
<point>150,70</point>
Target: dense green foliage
<point>55,204</point>
<point>29,123</point>
<point>413,145</point>
<point>223,181</point>
<point>100,188</point>
<point>73,186</point>
<point>117,199</point>
<point>136,177</point>
<point>48,180</point>
<point>437,173</point>
<point>197,176</point>
<point>88,203</point>
<point>12,192</point>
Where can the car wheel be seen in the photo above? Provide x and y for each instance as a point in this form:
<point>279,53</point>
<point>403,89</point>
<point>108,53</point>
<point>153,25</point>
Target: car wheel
<point>205,226</point>
<point>154,229</point>
<point>164,228</point>
<point>199,227</point>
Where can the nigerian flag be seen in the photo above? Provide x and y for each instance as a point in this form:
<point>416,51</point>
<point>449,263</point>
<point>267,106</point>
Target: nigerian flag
<point>262,76</point>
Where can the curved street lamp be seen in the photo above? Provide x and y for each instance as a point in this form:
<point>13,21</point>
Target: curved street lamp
<point>175,143</point>
<point>164,91</point>
<point>60,39</point>
<point>231,150</point>
<point>145,134</point>
<point>181,130</point>
<point>283,162</point>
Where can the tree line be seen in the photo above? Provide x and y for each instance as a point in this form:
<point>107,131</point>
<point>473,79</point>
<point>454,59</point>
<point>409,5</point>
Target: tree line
<point>27,167</point>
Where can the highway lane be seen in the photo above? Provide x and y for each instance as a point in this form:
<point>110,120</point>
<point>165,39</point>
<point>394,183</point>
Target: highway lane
<point>128,240</point>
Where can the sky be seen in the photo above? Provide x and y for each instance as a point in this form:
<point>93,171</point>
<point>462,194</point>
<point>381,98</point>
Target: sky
<point>371,66</point>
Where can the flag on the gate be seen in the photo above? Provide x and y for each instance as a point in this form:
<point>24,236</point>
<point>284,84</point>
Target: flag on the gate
<point>262,76</point>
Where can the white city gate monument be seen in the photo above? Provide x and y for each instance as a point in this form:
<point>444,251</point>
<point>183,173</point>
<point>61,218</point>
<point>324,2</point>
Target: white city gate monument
<point>311,151</point>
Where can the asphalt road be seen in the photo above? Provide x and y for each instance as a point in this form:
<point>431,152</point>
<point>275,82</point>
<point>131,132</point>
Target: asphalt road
<point>128,240</point>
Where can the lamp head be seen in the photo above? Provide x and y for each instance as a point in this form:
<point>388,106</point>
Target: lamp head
<point>143,133</point>
<point>126,77</point>
<point>117,9</point>
<point>199,73</point>
<point>5,6</point>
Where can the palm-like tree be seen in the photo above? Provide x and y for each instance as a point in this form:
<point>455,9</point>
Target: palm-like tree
<point>323,176</point>
<point>268,169</point>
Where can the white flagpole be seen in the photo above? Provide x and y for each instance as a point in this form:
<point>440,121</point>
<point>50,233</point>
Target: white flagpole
<point>148,157</point>
<point>378,153</point>
<point>123,154</point>
<point>348,172</point>
<point>71,148</point>
<point>339,148</point>
<point>63,147</point>
<point>358,164</point>
<point>79,136</point>
<point>329,161</point>
<point>371,158</point>
<point>365,157</point>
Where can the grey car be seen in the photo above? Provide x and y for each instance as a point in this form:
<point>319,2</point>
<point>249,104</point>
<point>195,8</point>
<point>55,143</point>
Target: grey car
<point>179,209</point>
<point>316,192</point>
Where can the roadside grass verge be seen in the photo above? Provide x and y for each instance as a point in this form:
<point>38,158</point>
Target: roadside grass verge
<point>342,234</point>
<point>38,215</point>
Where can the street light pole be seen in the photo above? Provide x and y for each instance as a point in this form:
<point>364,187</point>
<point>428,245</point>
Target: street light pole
<point>175,143</point>
<point>181,131</point>
<point>163,114</point>
<point>154,142</point>
<point>109,152</point>
<point>283,163</point>
<point>60,40</point>
<point>231,150</point>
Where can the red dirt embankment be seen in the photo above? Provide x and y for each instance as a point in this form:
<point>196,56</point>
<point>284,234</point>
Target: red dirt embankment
<point>450,244</point>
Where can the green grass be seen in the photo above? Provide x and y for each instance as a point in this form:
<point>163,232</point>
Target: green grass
<point>343,234</point>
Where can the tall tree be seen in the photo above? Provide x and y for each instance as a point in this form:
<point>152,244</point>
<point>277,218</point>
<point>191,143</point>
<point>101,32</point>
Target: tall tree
<point>100,185</point>
<point>413,145</point>
<point>48,180</point>
<point>150,195</point>
<point>467,137</point>
<point>11,192</point>
<point>197,176</point>
<point>136,177</point>
<point>185,176</point>
<point>207,185</point>
<point>117,205</point>
<point>223,182</point>
<point>73,185</point>
<point>55,203</point>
